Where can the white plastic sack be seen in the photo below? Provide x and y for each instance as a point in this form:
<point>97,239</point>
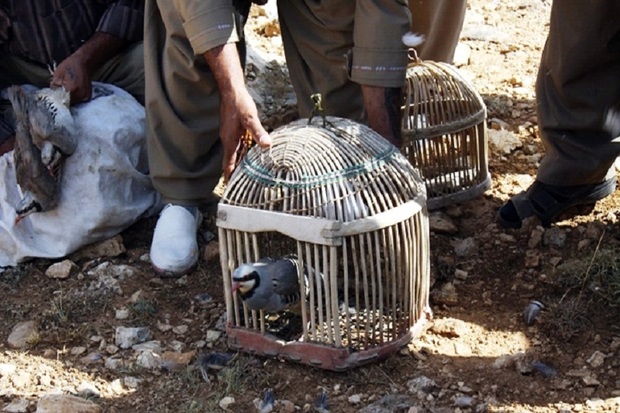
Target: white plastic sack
<point>104,186</point>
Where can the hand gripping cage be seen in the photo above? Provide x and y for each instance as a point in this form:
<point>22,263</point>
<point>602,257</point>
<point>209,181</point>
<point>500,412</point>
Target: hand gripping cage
<point>351,208</point>
<point>444,132</point>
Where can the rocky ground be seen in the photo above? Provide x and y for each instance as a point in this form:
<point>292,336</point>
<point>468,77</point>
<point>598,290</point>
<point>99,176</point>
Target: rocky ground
<point>99,332</point>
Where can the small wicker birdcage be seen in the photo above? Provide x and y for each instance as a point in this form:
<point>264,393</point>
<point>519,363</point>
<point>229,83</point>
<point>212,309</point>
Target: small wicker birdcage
<point>444,132</point>
<point>352,208</point>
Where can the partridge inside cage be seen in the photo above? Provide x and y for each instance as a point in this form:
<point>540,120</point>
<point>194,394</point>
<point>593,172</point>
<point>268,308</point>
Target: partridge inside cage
<point>352,210</point>
<point>444,132</point>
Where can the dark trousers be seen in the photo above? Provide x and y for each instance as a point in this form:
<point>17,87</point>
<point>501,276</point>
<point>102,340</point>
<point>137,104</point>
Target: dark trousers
<point>578,80</point>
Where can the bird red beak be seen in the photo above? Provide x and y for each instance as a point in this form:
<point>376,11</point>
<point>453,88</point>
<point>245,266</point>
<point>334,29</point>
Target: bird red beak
<point>235,286</point>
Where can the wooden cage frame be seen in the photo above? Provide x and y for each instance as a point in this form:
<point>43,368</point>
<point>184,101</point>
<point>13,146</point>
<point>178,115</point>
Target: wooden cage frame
<point>444,132</point>
<point>351,207</point>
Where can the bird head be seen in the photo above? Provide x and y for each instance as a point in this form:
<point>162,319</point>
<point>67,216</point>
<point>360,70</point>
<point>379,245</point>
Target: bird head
<point>28,205</point>
<point>245,279</point>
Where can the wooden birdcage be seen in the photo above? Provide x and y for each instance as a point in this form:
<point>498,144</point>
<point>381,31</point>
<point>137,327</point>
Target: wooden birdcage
<point>352,208</point>
<point>444,132</point>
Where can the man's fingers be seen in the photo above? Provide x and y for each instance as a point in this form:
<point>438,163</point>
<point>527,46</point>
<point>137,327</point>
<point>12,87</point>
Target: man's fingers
<point>263,140</point>
<point>259,134</point>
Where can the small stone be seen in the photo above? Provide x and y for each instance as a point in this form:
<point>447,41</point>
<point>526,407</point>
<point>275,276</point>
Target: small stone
<point>122,314</point>
<point>59,403</point>
<point>153,345</point>
<point>466,247</point>
<point>61,270</point>
<point>535,238</point>
<point>148,360</point>
<point>112,247</point>
<point>462,54</point>
<point>449,327</point>
<point>87,389</point>
<point>391,403</point>
<point>421,384</point>
<point>23,334</point>
<point>128,336</point>
<point>163,327</point>
<point>117,387</point>
<point>460,274</point>
<point>111,349</point>
<point>441,223</point>
<point>131,382</point>
<point>590,381</point>
<point>113,363</point>
<point>76,351</point>
<point>226,402</point>
<point>464,401</point>
<point>555,236</point>
<point>355,399</point>
<point>503,141</point>
<point>446,295</point>
<point>176,345</point>
<point>532,259</point>
<point>17,406</point>
<point>287,406</point>
<point>136,296</point>
<point>597,359</point>
<point>180,330</point>
<point>213,335</point>
<point>91,358</point>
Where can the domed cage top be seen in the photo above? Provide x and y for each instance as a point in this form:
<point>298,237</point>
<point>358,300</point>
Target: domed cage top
<point>352,209</point>
<point>444,132</point>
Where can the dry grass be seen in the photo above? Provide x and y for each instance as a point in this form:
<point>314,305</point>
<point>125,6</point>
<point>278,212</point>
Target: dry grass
<point>586,284</point>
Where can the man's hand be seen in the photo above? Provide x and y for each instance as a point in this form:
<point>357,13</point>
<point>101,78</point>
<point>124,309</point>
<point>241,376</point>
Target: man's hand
<point>75,73</point>
<point>238,112</point>
<point>74,77</point>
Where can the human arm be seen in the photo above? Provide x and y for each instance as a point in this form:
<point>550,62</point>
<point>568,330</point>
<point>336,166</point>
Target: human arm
<point>75,73</point>
<point>120,25</point>
<point>238,111</point>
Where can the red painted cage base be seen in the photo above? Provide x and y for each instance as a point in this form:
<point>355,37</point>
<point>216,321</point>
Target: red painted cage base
<point>316,354</point>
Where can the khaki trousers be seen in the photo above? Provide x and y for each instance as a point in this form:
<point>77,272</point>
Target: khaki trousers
<point>319,35</point>
<point>182,107</point>
<point>440,21</point>
<point>578,79</point>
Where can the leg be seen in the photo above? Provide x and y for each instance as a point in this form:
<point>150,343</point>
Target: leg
<point>182,107</point>
<point>577,82</point>
<point>125,70</point>
<point>184,149</point>
<point>440,21</point>
<point>315,55</point>
<point>316,38</point>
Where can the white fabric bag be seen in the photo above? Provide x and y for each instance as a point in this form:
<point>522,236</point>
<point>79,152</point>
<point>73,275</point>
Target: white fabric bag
<point>104,185</point>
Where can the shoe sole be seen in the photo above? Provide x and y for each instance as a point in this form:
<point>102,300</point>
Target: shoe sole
<point>161,273</point>
<point>598,192</point>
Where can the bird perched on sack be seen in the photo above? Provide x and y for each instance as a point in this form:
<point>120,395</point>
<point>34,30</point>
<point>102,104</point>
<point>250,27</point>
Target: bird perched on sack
<point>270,284</point>
<point>44,133</point>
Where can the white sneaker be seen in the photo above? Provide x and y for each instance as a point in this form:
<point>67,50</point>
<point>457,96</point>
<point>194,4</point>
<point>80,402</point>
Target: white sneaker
<point>174,250</point>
